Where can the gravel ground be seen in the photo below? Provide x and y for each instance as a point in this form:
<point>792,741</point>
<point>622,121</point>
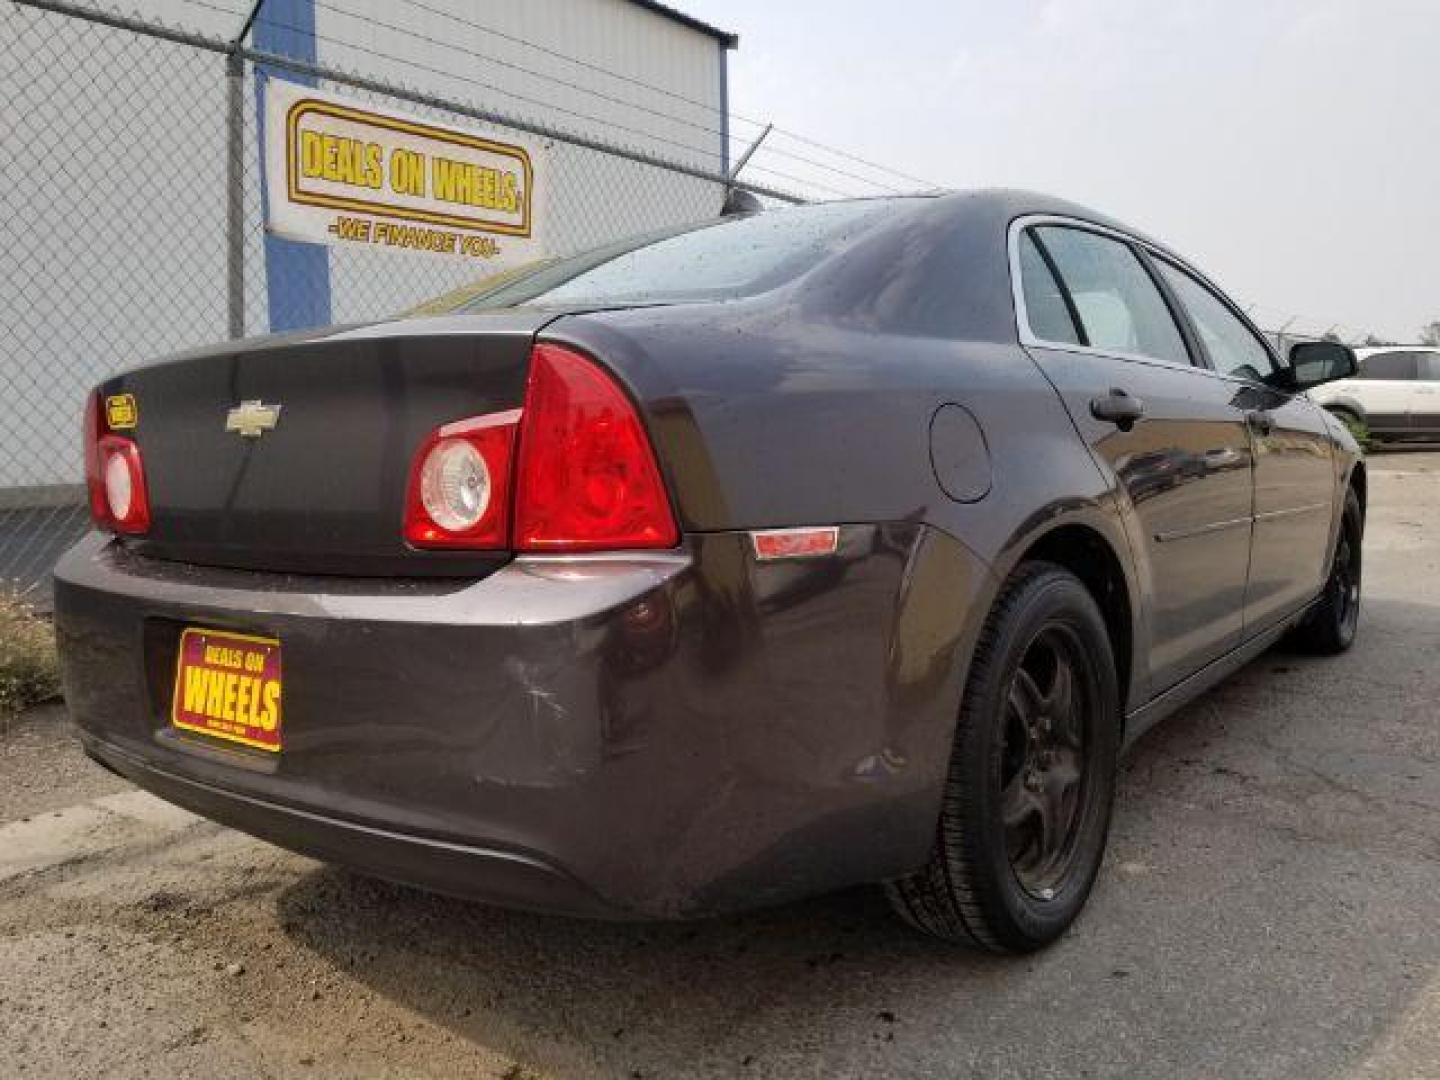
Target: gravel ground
<point>1265,911</point>
<point>41,769</point>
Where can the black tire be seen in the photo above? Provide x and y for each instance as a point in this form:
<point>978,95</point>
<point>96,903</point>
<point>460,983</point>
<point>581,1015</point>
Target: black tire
<point>989,884</point>
<point>1330,627</point>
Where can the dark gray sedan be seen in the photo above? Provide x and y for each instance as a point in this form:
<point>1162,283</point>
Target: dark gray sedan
<point>845,543</point>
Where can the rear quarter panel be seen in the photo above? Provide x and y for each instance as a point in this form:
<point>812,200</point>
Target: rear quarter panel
<point>764,419</point>
<point>764,422</point>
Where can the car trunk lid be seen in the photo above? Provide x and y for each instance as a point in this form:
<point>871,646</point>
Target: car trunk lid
<point>293,453</point>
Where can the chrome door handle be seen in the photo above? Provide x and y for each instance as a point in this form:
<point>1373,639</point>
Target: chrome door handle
<point>1259,421</point>
<point>1119,408</point>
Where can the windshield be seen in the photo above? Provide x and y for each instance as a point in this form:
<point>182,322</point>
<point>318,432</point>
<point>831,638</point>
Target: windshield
<point>720,260</point>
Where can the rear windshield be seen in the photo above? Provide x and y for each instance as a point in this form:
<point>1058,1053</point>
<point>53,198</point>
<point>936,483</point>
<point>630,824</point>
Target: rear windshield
<point>720,260</point>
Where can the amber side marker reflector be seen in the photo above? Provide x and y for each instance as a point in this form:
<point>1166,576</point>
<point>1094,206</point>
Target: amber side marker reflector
<point>795,543</point>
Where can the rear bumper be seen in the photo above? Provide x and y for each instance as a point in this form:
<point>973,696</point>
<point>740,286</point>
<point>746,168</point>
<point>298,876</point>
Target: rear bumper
<point>641,735</point>
<point>507,877</point>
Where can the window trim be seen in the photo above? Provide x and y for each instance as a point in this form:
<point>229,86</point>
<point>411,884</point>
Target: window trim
<point>1144,250</point>
<point>1276,364</point>
<point>1072,312</point>
<point>1194,344</point>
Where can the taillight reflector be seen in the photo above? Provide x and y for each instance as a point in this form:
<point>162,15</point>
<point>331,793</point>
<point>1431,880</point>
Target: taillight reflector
<point>795,543</point>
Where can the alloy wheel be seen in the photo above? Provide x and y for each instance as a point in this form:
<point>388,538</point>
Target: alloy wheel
<point>1043,759</point>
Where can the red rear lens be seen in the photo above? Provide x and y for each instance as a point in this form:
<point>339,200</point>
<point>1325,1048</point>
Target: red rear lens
<point>123,477</point>
<point>588,479</point>
<point>114,476</point>
<point>459,494</point>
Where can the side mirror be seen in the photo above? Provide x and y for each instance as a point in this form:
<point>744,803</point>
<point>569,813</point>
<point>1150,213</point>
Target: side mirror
<point>1315,362</point>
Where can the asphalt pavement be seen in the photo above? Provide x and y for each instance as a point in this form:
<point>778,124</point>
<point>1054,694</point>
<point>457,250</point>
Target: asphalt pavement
<point>1267,909</point>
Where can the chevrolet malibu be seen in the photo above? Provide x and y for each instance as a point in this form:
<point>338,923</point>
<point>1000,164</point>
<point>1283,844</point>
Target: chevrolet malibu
<point>839,544</point>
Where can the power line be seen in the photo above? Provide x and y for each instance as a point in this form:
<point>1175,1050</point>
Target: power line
<point>624,103</point>
<point>752,167</point>
<point>852,157</point>
<point>574,60</point>
<point>610,72</point>
<point>517,67</point>
<point>231,47</point>
<point>774,152</point>
<point>641,83</point>
<point>443,73</point>
<point>636,132</point>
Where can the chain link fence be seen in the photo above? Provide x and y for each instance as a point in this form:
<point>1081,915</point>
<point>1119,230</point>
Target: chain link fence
<point>131,191</point>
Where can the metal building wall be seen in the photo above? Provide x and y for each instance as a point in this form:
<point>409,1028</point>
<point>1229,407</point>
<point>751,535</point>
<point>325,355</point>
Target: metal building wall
<point>503,54</point>
<point>615,35</point>
<point>105,158</point>
<point>132,149</point>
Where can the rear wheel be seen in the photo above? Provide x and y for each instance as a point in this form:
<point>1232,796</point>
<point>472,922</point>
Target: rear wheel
<point>1330,628</point>
<point>1032,774</point>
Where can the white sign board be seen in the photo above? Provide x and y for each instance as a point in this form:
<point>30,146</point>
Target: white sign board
<point>339,172</point>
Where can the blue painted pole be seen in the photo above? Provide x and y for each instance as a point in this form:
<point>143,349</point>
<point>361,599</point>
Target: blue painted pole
<point>297,275</point>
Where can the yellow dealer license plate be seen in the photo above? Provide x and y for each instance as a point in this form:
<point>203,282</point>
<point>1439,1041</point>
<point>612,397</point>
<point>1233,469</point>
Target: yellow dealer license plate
<point>228,685</point>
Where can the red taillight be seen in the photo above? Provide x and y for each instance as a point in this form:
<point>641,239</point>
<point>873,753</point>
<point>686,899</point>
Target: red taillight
<point>459,495</point>
<point>114,475</point>
<point>587,478</point>
<point>576,458</point>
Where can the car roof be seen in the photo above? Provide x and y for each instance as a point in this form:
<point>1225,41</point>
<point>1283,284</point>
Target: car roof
<point>1019,202</point>
<point>1375,350</point>
<point>1009,203</point>
<point>944,263</point>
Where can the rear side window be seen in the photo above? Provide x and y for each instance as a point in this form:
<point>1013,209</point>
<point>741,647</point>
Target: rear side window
<point>1232,347</point>
<point>1430,366</point>
<point>1391,365</point>
<point>1045,305</point>
<point>1120,307</point>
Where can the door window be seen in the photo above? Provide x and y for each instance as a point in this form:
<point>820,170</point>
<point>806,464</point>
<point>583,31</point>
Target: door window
<point>1045,306</point>
<point>1233,347</point>
<point>1396,366</point>
<point>1119,306</point>
<point>1430,366</point>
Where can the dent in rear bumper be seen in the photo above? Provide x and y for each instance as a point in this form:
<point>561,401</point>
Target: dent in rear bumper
<point>680,733</point>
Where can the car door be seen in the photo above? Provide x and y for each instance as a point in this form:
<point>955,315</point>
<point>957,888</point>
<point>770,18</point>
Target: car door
<point>1167,431</point>
<point>1294,465</point>
<point>1386,388</point>
<point>1425,401</point>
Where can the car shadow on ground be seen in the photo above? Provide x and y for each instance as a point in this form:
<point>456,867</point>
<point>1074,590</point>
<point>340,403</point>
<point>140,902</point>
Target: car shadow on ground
<point>636,998</point>
<point>1267,836</point>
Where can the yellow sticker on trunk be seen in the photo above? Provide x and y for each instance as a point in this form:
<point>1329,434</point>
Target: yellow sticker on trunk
<point>121,412</point>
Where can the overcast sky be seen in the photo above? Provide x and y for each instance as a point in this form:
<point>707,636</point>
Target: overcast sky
<point>1290,148</point>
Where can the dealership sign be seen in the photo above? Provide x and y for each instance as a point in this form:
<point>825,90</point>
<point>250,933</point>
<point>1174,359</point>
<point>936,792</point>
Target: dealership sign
<point>339,172</point>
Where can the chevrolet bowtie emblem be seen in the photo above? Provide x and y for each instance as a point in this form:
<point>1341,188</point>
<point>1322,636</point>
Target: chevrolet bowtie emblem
<point>251,419</point>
